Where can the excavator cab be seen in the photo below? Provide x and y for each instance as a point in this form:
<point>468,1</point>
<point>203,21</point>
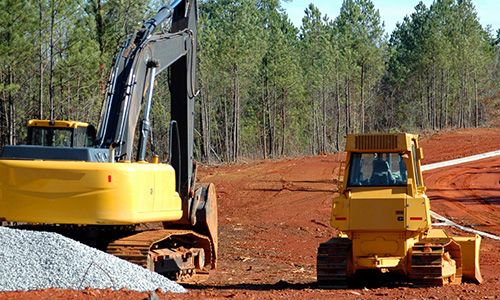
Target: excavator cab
<point>52,133</point>
<point>384,222</point>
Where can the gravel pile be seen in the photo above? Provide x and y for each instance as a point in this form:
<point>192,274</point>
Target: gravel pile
<point>39,260</point>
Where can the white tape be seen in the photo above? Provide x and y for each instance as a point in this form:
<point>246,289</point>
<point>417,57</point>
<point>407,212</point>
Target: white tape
<point>459,160</point>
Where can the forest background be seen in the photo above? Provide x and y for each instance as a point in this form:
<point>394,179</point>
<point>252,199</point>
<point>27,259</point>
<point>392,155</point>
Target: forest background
<point>267,88</point>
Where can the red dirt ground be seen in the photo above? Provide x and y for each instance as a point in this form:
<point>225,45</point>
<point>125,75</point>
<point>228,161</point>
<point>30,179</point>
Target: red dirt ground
<point>274,214</point>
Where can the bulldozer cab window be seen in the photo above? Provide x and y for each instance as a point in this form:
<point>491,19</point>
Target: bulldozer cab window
<point>377,169</point>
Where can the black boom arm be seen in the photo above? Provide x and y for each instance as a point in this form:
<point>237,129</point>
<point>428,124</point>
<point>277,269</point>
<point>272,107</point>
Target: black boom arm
<point>140,59</point>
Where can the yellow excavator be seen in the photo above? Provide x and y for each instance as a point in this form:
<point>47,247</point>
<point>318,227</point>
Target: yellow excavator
<point>91,187</point>
<point>384,222</point>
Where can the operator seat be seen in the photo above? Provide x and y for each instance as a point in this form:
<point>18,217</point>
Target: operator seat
<point>381,174</point>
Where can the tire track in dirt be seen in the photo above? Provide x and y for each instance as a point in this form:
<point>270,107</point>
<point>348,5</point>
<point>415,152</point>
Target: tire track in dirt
<point>468,193</point>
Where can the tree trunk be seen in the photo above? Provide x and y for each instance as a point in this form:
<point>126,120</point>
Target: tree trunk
<point>323,127</point>
<point>441,98</point>
<point>476,105</point>
<point>264,130</point>
<point>461,106</point>
<point>274,105</point>
<point>337,135</point>
<point>12,112</point>
<point>362,98</point>
<point>51,59</point>
<point>40,65</point>
<point>236,115</point>
<point>204,126</point>
<point>283,121</point>
<point>3,113</point>
<point>469,101</point>
<point>347,108</point>
<point>270,125</point>
<point>433,97</point>
<point>447,99</point>
<point>314,125</point>
<point>227,143</point>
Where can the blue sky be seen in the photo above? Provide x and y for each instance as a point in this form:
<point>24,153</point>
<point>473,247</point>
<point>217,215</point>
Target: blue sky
<point>391,11</point>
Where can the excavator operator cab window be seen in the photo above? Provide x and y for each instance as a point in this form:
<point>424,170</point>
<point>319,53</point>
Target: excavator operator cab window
<point>54,137</point>
<point>377,169</point>
<point>85,136</point>
<point>81,136</point>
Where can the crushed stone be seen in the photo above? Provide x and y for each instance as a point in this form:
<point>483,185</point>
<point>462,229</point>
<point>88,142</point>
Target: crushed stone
<point>31,260</point>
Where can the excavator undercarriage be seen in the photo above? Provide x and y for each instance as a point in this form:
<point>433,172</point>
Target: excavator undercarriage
<point>177,254</point>
<point>184,255</point>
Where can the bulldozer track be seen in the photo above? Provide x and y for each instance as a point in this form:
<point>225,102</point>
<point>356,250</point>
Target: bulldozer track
<point>332,263</point>
<point>138,249</point>
<point>430,259</point>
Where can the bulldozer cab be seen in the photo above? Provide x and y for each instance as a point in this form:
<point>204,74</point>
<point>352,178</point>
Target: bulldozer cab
<point>60,133</point>
<point>382,176</point>
<point>386,160</point>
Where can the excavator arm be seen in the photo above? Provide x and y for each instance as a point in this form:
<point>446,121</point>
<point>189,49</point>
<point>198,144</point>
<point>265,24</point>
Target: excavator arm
<point>140,59</point>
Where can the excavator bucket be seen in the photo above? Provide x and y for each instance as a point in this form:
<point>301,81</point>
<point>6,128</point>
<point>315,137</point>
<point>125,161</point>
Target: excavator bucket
<point>207,220</point>
<point>470,258</point>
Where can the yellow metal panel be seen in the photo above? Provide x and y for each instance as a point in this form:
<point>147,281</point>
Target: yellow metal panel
<point>417,213</point>
<point>158,192</point>
<point>377,209</point>
<point>380,142</point>
<point>382,243</point>
<point>340,213</point>
<point>378,262</point>
<point>57,123</point>
<point>87,192</point>
<point>378,250</point>
<point>436,234</point>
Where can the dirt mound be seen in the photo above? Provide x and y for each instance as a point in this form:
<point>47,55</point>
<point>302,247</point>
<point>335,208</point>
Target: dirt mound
<point>446,145</point>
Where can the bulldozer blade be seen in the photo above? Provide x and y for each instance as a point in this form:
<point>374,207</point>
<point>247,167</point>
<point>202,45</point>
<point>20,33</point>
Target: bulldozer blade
<point>470,258</point>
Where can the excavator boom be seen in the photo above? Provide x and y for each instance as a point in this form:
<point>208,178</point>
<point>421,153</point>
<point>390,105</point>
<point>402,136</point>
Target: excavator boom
<point>141,58</point>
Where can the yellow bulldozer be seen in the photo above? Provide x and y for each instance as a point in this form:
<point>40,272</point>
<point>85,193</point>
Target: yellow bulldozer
<point>384,222</point>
